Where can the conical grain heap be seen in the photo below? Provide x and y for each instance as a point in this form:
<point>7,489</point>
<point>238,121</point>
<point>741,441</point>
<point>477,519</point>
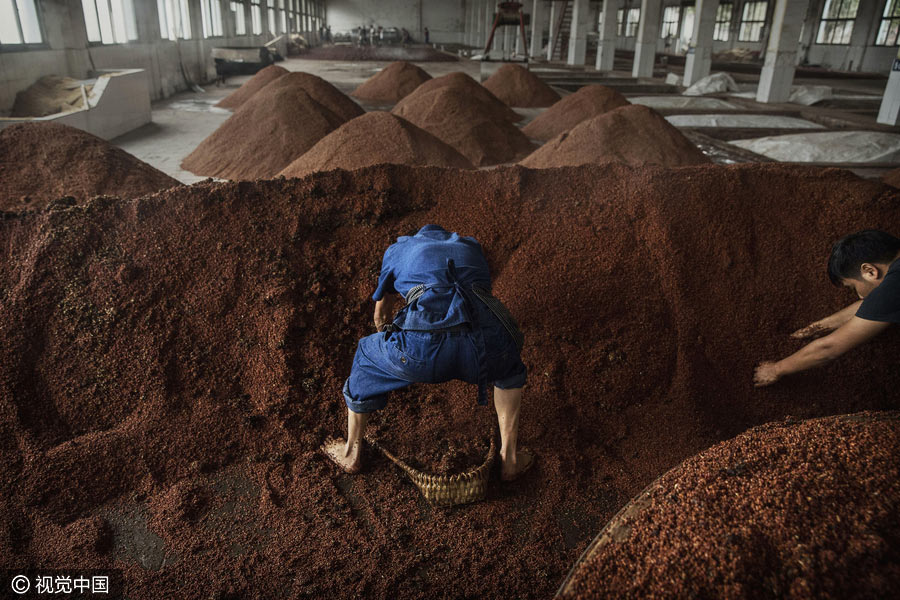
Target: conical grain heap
<point>517,86</point>
<point>460,120</point>
<point>376,138</point>
<point>392,84</point>
<point>322,92</point>
<point>471,88</point>
<point>633,135</point>
<point>43,161</point>
<point>252,85</point>
<point>587,102</point>
<point>273,128</point>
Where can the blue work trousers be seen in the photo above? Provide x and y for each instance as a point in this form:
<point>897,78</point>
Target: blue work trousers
<point>393,360</point>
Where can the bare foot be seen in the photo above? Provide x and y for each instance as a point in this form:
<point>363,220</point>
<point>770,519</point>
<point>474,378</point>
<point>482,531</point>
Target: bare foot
<point>512,470</point>
<point>335,450</point>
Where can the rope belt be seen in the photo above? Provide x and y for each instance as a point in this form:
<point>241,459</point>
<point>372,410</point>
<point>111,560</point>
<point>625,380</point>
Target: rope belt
<point>493,304</point>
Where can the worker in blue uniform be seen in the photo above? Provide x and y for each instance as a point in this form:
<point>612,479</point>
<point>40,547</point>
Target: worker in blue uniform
<point>450,328</point>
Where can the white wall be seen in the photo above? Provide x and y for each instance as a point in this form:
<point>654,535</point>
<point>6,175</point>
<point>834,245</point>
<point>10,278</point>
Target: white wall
<point>445,19</point>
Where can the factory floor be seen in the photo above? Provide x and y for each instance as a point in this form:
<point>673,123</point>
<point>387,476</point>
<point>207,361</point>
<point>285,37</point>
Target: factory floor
<point>182,121</point>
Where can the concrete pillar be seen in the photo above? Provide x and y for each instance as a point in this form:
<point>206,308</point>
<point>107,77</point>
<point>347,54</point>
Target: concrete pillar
<point>479,24</point>
<point>489,21</point>
<point>889,113</point>
<point>578,33</point>
<point>146,17</point>
<point>537,28</point>
<point>467,23</point>
<point>648,33</point>
<point>196,21</point>
<point>867,16</point>
<point>699,56</point>
<point>551,39</point>
<point>606,41</point>
<point>781,54</point>
<point>477,18</point>
<point>520,48</point>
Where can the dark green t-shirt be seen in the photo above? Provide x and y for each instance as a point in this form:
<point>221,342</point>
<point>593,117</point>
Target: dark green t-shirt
<point>883,303</point>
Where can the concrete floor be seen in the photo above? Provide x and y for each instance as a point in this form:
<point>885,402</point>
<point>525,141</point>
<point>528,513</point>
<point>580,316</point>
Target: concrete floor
<point>181,122</point>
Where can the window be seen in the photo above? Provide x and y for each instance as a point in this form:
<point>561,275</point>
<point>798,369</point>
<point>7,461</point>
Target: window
<point>628,22</point>
<point>836,25</point>
<point>752,22</point>
<point>890,24</point>
<point>19,22</point>
<point>174,19</point>
<point>109,21</point>
<point>256,17</point>
<point>240,23</point>
<point>211,18</point>
<point>723,23</point>
<point>271,14</point>
<point>670,22</point>
<point>283,15</point>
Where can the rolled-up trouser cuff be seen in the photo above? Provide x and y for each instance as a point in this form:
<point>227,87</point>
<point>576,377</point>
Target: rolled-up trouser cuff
<point>363,406</point>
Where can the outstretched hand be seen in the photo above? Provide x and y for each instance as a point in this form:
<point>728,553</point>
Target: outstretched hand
<point>766,374</point>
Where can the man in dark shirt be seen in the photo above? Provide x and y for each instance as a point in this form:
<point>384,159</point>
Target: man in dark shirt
<point>450,328</point>
<point>866,261</point>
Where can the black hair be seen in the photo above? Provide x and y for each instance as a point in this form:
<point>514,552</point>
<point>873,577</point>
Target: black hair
<point>851,251</point>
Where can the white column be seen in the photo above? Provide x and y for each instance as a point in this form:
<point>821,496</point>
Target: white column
<point>781,54</point>
<point>520,49</point>
<point>889,113</point>
<point>578,33</point>
<point>699,56</point>
<point>537,28</point>
<point>648,32</point>
<point>507,50</point>
<point>551,39</point>
<point>606,42</point>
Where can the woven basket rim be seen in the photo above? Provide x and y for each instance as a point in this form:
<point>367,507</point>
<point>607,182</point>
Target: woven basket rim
<point>477,472</point>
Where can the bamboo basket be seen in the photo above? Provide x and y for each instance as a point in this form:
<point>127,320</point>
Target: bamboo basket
<point>448,490</point>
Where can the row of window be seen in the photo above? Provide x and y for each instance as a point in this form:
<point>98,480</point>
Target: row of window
<point>835,27</point>
<point>114,22</point>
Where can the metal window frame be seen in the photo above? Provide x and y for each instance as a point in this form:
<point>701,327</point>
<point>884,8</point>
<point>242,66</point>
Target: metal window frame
<point>887,16</point>
<point>662,28</point>
<point>210,12</point>
<point>761,23</point>
<point>114,43</point>
<point>724,22</point>
<point>823,20</point>
<point>23,45</point>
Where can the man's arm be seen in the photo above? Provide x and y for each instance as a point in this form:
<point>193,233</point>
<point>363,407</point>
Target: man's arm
<point>384,310</point>
<point>821,351</point>
<point>829,323</point>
